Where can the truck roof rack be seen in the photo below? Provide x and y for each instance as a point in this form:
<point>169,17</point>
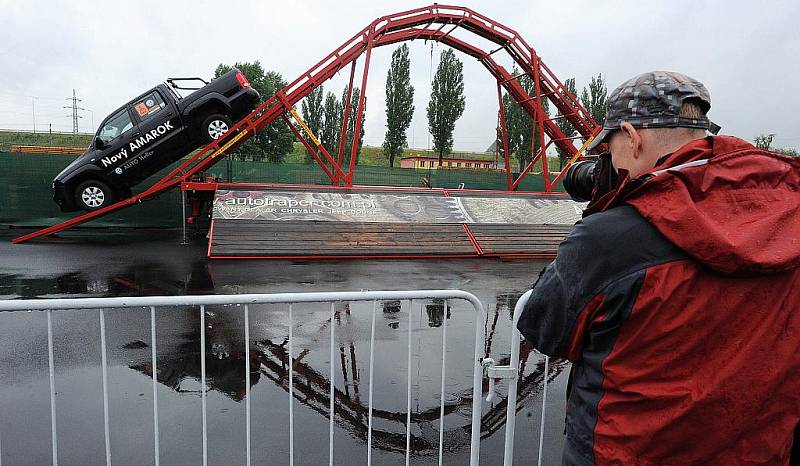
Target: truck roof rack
<point>171,82</point>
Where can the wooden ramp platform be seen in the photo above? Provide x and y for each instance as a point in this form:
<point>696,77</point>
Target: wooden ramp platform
<point>307,223</point>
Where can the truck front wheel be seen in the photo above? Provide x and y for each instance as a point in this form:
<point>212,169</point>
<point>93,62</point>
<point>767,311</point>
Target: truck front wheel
<point>215,126</point>
<point>92,195</point>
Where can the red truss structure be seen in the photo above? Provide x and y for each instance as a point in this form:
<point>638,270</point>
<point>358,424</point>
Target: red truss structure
<point>435,23</point>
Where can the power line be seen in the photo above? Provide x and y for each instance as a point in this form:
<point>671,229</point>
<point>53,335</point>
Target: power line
<point>75,109</point>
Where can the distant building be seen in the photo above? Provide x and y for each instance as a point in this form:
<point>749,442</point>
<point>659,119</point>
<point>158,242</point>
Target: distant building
<point>422,162</point>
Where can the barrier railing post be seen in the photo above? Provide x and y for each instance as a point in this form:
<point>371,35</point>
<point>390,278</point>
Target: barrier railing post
<point>247,377</point>
<point>203,380</point>
<point>477,381</point>
<point>441,393</point>
<point>544,408</point>
<point>51,370</point>
<point>408,385</point>
<point>291,391</point>
<point>183,216</point>
<point>332,393</point>
<point>511,410</point>
<point>154,365</point>
<point>371,379</point>
<point>105,386</point>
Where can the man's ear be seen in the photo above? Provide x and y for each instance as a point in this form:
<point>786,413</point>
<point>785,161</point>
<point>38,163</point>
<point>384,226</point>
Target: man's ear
<point>633,138</point>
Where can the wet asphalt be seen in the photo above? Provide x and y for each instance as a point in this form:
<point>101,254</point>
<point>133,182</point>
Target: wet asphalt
<point>146,263</point>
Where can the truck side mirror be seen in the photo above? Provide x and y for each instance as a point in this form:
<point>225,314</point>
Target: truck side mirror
<point>98,143</point>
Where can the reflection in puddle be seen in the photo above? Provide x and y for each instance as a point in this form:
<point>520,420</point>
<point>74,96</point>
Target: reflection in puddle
<point>269,360</point>
<point>182,371</point>
<point>83,268</point>
<point>435,313</point>
<point>142,279</point>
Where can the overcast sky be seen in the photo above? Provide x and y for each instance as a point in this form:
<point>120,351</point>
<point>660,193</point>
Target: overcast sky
<point>745,52</point>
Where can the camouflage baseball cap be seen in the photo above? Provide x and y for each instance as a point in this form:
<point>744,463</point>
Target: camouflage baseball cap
<point>653,100</point>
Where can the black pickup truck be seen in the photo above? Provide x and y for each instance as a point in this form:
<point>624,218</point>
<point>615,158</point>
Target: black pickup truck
<point>149,133</point>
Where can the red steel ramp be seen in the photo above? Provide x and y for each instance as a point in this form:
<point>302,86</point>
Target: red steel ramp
<point>434,22</point>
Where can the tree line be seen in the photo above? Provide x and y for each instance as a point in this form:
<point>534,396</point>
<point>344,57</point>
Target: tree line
<point>273,143</point>
<point>324,112</point>
<point>764,141</point>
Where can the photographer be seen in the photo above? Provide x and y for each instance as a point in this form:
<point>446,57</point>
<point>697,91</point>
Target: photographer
<point>677,297</point>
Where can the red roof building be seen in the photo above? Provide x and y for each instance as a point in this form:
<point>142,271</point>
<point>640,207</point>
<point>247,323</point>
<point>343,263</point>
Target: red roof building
<point>427,163</point>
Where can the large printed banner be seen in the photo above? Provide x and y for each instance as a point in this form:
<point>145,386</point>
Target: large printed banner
<point>282,205</point>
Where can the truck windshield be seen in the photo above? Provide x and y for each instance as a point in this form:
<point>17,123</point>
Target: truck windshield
<point>119,123</point>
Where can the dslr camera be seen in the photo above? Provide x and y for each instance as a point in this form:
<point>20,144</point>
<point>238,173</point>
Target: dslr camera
<point>590,179</point>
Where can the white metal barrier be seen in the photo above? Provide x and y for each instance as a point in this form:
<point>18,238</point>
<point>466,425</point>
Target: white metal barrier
<point>480,363</point>
<point>512,388</point>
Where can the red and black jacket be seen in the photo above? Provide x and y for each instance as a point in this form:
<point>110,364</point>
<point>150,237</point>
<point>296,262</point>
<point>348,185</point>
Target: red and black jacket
<point>678,301</point>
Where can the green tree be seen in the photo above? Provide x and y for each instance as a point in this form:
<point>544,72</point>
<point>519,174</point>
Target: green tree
<point>276,140</point>
<point>331,124</point>
<point>447,102</point>
<point>787,151</point>
<point>313,114</point>
<point>399,104</point>
<point>594,98</point>
<point>519,123</point>
<point>565,126</point>
<point>763,141</point>
<point>351,124</point>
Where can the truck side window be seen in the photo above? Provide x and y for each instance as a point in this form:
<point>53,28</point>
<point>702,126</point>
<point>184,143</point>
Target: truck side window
<point>149,105</point>
<point>116,125</point>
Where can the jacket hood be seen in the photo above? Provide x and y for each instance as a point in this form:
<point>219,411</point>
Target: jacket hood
<point>730,206</point>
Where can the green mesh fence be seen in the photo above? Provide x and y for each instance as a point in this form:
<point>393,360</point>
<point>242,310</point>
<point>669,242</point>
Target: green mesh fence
<point>263,172</point>
<point>26,197</point>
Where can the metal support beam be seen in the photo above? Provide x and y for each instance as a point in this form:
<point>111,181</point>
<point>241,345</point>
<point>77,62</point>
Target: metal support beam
<point>359,119</point>
<point>183,216</point>
<point>346,115</point>
<point>337,169</point>
<point>504,133</point>
<point>537,81</point>
<point>310,149</point>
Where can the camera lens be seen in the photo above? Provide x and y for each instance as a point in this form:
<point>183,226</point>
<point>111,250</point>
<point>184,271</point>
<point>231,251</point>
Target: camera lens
<point>579,180</point>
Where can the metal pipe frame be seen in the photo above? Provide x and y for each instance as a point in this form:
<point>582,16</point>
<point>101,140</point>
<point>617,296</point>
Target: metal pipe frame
<point>346,117</point>
<point>244,301</point>
<point>359,117</point>
<point>308,147</point>
<point>504,132</point>
<point>508,458</point>
<point>385,30</point>
<point>540,112</point>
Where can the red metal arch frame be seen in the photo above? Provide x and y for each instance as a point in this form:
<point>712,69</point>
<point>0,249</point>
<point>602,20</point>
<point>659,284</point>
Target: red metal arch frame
<point>407,25</point>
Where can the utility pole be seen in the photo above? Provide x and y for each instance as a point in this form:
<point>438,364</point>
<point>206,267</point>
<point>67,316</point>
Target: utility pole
<point>75,109</point>
<point>92,115</point>
<point>33,107</point>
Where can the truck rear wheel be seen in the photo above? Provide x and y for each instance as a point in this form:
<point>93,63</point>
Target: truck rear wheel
<point>215,126</point>
<point>92,195</point>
